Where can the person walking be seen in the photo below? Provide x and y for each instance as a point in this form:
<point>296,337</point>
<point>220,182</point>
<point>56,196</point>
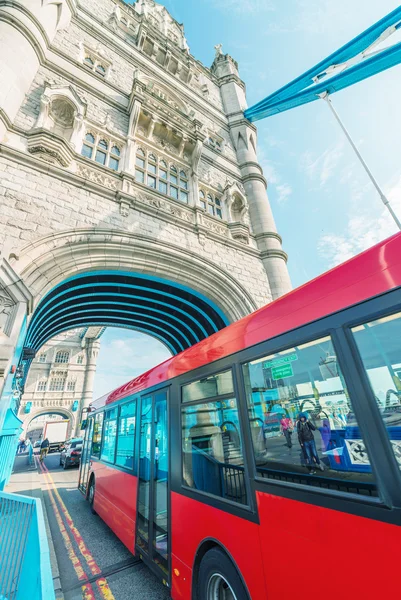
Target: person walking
<point>306,440</point>
<point>44,449</point>
<point>287,427</point>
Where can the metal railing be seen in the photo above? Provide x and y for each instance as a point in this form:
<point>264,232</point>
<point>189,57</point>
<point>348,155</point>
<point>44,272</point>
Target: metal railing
<point>25,570</point>
<point>8,447</point>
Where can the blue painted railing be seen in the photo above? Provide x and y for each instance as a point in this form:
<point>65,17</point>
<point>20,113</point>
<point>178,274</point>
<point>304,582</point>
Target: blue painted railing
<point>25,570</point>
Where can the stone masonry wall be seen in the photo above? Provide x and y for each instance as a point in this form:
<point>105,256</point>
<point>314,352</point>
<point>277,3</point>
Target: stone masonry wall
<point>35,205</point>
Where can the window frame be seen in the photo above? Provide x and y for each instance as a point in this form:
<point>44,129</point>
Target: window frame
<point>125,402</point>
<point>384,465</point>
<point>41,381</point>
<point>108,151</point>
<point>58,377</point>
<point>206,497</point>
<point>62,362</point>
<point>96,63</point>
<point>173,169</point>
<point>106,420</point>
<point>209,198</point>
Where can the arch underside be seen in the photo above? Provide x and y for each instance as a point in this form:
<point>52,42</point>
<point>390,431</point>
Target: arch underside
<point>176,315</point>
<point>48,410</point>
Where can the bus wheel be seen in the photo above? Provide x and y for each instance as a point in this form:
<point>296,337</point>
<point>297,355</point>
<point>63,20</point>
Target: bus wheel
<point>91,496</point>
<point>218,579</point>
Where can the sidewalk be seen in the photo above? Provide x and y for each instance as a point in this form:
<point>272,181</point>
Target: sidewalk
<point>27,481</point>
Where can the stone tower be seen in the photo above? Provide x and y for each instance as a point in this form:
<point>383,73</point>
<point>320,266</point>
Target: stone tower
<point>120,152</point>
<point>61,377</point>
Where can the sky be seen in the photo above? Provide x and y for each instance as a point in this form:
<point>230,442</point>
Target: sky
<point>325,207</point>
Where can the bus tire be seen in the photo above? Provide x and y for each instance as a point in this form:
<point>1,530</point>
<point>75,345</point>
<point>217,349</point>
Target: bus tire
<point>91,495</point>
<point>218,577</point>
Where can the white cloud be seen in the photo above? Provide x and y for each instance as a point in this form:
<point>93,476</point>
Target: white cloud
<point>284,192</point>
<point>362,230</point>
<point>321,169</point>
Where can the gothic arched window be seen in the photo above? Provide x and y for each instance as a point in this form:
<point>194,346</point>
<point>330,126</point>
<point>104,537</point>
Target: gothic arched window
<point>211,204</point>
<point>158,175</point>
<point>103,152</point>
<point>57,382</point>
<point>71,385</point>
<point>41,386</point>
<point>95,65</point>
<point>62,356</point>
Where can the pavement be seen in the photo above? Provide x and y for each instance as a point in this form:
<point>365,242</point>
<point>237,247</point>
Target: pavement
<point>88,561</point>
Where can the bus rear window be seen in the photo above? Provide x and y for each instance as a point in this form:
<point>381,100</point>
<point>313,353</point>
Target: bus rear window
<point>302,423</point>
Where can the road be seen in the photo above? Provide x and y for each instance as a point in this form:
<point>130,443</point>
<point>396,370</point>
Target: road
<point>93,563</point>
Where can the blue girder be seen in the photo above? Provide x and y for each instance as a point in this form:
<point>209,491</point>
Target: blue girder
<point>310,85</point>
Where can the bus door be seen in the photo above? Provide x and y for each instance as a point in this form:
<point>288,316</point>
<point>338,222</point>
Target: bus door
<point>85,457</point>
<point>152,539</point>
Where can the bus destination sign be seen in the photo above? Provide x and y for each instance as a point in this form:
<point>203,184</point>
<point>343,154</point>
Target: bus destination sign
<point>280,361</point>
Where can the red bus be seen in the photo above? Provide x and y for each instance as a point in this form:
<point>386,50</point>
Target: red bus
<point>264,462</point>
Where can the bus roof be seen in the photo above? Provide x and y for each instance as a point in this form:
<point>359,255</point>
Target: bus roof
<point>373,272</point>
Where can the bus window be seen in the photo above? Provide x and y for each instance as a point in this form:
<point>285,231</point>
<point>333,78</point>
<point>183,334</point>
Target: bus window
<point>213,460</point>
<point>209,387</point>
<point>97,435</point>
<point>126,436</point>
<point>379,344</point>
<point>302,424</point>
<point>110,435</point>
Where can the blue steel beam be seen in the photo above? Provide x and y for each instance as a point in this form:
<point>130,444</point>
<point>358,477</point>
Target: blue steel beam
<point>307,87</point>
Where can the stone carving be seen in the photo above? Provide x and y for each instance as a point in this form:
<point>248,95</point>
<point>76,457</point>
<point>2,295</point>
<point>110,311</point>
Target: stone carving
<point>167,207</point>
<point>124,208</point>
<point>212,225</point>
<point>62,112</point>
<point>210,176</point>
<point>98,177</point>
<point>219,50</point>
<point>236,202</point>
<point>6,305</point>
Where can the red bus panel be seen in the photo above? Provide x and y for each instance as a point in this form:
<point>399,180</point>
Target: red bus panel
<point>115,501</point>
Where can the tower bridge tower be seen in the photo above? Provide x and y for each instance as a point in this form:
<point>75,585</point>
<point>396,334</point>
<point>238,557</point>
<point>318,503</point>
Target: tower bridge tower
<point>130,189</point>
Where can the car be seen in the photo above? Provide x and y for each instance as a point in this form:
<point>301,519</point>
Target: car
<point>37,444</point>
<point>71,453</point>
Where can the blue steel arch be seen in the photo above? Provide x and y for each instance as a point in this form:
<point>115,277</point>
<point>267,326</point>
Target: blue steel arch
<point>173,313</point>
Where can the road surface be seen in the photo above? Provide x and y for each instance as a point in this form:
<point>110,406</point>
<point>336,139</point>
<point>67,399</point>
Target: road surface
<point>93,563</point>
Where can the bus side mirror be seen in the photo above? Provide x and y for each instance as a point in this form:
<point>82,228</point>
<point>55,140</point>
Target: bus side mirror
<point>84,424</point>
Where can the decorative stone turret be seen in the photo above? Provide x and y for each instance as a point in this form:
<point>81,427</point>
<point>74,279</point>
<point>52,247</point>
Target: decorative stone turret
<point>244,136</point>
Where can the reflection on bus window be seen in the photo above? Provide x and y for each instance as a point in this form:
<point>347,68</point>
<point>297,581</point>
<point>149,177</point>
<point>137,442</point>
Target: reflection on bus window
<point>126,436</point>
<point>302,424</point>
<point>213,461</point>
<point>97,435</point>
<point>209,387</point>
<point>379,344</point>
<point>109,436</point>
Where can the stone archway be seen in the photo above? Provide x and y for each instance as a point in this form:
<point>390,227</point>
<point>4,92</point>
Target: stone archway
<point>49,410</point>
<point>46,262</point>
<point>183,297</point>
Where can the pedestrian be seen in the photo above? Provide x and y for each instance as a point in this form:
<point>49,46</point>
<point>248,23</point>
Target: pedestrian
<point>23,446</point>
<point>287,427</point>
<point>44,449</point>
<point>306,439</point>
